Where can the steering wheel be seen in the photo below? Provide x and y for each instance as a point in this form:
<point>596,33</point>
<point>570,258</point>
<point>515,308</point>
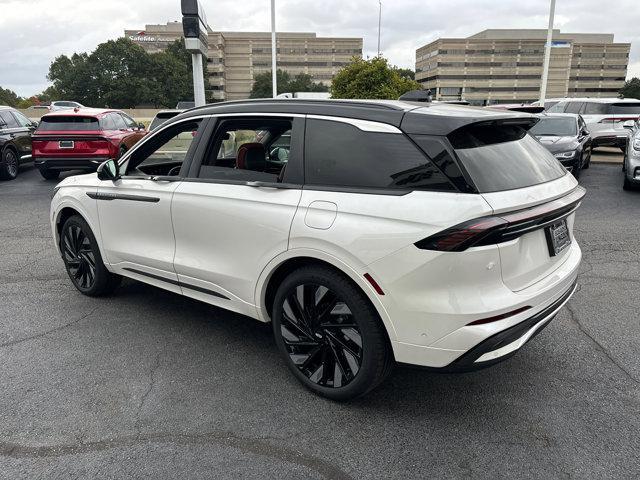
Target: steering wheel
<point>174,171</point>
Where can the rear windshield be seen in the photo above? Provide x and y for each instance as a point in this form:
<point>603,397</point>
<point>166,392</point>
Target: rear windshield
<point>74,123</point>
<point>501,158</point>
<point>625,108</point>
<point>561,127</point>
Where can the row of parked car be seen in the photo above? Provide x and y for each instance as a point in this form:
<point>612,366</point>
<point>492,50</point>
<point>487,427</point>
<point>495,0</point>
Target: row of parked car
<point>77,138</point>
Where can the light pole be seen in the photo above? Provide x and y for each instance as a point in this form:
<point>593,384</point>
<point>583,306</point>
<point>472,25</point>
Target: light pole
<point>379,24</point>
<point>547,54</point>
<point>274,76</point>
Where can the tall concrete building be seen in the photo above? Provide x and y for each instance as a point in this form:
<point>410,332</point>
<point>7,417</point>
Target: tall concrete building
<point>234,58</point>
<point>505,66</point>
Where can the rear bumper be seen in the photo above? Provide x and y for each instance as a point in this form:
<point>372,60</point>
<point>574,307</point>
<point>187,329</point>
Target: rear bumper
<point>89,164</point>
<point>610,140</point>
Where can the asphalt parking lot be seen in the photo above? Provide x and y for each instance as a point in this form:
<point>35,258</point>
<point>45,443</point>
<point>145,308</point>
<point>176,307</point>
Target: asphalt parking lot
<point>150,384</point>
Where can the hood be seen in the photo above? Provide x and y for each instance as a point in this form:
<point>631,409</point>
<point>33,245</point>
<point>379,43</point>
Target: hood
<point>558,144</point>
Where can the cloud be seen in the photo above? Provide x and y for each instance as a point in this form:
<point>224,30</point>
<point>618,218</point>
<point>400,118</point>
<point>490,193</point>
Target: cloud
<point>34,32</point>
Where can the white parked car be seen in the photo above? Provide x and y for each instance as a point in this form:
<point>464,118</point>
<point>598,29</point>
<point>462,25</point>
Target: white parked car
<point>367,233</point>
<point>63,105</point>
<point>604,117</point>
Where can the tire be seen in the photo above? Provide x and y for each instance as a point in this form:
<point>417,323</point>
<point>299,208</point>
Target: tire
<point>9,164</point>
<point>627,185</point>
<point>121,151</point>
<point>577,167</point>
<point>49,174</point>
<point>587,164</point>
<point>357,356</point>
<point>82,259</point>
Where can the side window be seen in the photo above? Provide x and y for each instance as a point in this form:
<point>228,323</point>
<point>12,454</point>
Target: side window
<point>107,123</point>
<point>342,155</point>
<point>249,149</point>
<point>22,120</point>
<point>130,122</point>
<point>574,107</point>
<point>558,107</point>
<point>165,152</point>
<point>8,119</point>
<point>592,108</point>
<point>118,121</point>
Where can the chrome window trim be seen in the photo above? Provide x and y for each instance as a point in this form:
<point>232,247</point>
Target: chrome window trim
<point>364,125</point>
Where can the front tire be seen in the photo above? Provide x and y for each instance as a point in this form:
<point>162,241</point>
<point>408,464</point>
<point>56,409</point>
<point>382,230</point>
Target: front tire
<point>83,261</point>
<point>49,174</point>
<point>8,165</point>
<point>329,334</point>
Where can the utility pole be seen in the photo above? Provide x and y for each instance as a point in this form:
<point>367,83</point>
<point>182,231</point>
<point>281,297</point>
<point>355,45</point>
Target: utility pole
<point>274,76</point>
<point>547,54</point>
<point>379,24</point>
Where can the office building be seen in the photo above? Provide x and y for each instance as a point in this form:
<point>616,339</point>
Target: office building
<point>234,58</point>
<point>505,66</point>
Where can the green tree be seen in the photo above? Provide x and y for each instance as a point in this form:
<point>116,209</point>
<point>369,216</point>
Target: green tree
<point>262,86</point>
<point>121,74</point>
<point>406,73</point>
<point>8,97</point>
<point>372,78</point>
<point>631,88</point>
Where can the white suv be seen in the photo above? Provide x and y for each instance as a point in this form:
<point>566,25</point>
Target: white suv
<point>367,233</point>
<point>604,117</point>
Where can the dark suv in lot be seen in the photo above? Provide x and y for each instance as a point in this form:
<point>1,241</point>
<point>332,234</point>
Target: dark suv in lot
<point>15,141</point>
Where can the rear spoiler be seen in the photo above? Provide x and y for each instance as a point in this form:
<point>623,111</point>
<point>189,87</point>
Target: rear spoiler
<point>442,119</point>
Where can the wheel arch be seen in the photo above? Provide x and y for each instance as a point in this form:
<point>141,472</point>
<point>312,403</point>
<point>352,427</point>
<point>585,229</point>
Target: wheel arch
<point>275,272</point>
<point>68,209</point>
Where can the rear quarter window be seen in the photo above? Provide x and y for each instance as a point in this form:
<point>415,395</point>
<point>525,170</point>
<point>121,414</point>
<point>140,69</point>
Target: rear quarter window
<point>499,158</point>
<point>70,123</point>
<point>625,108</point>
<point>341,155</point>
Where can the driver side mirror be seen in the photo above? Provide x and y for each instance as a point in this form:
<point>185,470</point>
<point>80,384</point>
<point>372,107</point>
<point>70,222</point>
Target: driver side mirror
<point>108,170</point>
<point>141,126</point>
<point>629,124</point>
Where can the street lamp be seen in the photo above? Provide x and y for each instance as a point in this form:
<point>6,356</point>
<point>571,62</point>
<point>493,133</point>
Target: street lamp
<point>379,24</point>
<point>274,77</point>
<point>547,54</point>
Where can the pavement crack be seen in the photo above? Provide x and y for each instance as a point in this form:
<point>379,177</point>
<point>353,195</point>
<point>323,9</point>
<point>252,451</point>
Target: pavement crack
<point>145,395</point>
<point>599,346</point>
<point>47,332</point>
<point>250,445</point>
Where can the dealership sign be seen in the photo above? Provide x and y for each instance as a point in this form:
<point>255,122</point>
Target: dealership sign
<point>143,37</point>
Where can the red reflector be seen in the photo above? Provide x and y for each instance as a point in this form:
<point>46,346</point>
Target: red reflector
<point>502,316</point>
<point>374,284</point>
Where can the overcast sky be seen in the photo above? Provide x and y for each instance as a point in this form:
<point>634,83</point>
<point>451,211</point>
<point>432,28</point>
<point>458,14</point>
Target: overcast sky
<point>34,32</point>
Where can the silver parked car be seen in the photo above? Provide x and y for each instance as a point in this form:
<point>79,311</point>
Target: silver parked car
<point>631,163</point>
<point>604,118</point>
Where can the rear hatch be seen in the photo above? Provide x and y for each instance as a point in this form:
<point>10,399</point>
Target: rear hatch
<point>526,186</point>
<point>617,114</point>
<point>69,136</point>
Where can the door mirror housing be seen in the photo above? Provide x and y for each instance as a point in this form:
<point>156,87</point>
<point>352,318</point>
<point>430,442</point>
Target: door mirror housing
<point>108,170</point>
<point>141,126</point>
<point>629,124</point>
<point>584,132</point>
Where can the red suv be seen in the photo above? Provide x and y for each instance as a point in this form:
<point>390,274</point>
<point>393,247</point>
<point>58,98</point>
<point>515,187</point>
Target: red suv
<point>81,139</point>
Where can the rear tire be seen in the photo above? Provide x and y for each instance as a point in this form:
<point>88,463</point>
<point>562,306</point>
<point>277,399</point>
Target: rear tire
<point>82,259</point>
<point>627,185</point>
<point>9,164</point>
<point>49,174</point>
<point>121,151</point>
<point>588,162</point>
<point>338,362</point>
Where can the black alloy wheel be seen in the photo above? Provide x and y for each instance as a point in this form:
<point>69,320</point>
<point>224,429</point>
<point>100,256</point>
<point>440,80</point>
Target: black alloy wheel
<point>9,165</point>
<point>321,335</point>
<point>83,261</point>
<point>330,334</point>
<point>78,256</point>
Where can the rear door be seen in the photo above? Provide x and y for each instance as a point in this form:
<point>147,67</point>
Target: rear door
<point>233,213</point>
<point>513,174</point>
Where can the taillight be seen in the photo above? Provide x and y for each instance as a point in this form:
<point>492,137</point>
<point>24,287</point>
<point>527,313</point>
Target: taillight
<point>616,119</point>
<point>501,228</point>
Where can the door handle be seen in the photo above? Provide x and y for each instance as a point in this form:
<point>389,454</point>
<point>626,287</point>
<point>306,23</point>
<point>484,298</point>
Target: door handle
<point>165,178</point>
<point>258,184</point>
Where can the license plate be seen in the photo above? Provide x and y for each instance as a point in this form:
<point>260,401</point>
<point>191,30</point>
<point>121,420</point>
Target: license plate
<point>66,144</point>
<point>558,237</point>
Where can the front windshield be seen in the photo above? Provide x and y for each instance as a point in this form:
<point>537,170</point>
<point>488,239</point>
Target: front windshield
<point>558,126</point>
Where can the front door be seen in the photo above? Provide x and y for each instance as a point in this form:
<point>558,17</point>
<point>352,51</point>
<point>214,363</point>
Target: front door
<point>135,210</point>
<point>234,213</point>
